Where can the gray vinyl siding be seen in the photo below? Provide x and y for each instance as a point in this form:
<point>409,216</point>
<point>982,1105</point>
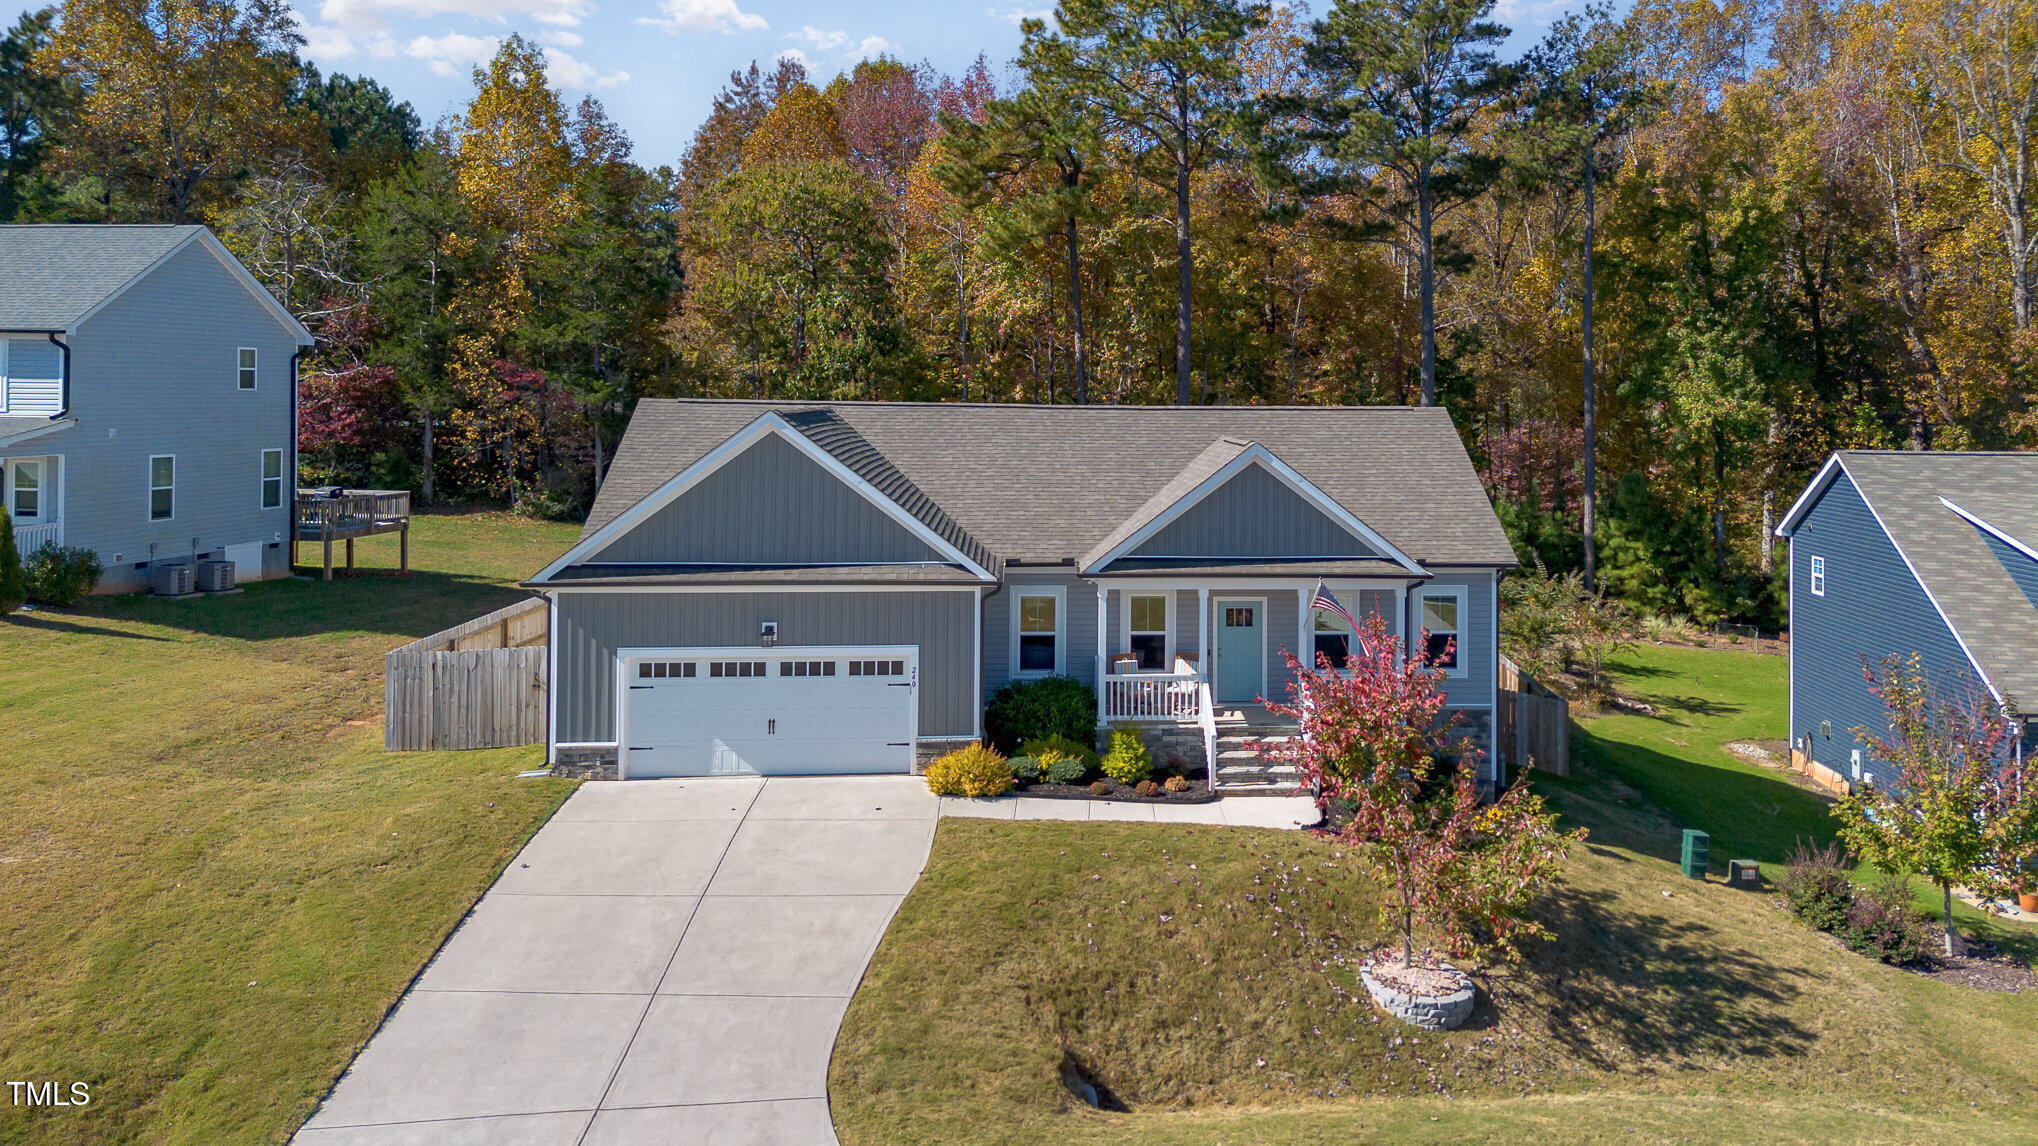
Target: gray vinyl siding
<point>155,373</point>
<point>1253,515</point>
<point>1477,642</point>
<point>770,504</point>
<point>592,626</point>
<point>1079,626</point>
<point>31,377</point>
<point>2022,569</point>
<point>1873,607</point>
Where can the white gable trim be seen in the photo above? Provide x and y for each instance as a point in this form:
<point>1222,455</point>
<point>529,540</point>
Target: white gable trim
<point>205,238</point>
<point>1992,531</point>
<point>1258,455</point>
<point>715,459</point>
<point>1805,500</point>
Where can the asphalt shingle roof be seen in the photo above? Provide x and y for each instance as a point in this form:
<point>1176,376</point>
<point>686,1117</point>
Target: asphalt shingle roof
<point>1991,615</point>
<point>51,274</point>
<point>1048,483</point>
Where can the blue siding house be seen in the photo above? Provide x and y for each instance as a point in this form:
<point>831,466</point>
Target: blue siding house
<point>147,399</point>
<point>1895,553</point>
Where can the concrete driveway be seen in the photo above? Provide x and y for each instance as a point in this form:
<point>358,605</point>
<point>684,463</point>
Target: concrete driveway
<point>667,961</point>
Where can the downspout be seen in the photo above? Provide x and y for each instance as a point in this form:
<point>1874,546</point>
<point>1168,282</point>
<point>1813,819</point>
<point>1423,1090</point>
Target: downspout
<point>64,348</point>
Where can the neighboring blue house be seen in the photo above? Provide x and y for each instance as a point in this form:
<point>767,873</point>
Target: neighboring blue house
<point>1899,552</point>
<point>147,398</point>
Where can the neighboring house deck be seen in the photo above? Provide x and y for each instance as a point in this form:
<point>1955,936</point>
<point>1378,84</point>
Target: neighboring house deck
<point>1901,553</point>
<point>147,388</point>
<point>774,587</point>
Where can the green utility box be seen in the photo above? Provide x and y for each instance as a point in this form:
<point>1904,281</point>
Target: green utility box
<point>1696,845</point>
<point>1745,874</point>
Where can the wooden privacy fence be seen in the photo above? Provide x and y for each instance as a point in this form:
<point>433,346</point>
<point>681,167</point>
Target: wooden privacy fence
<point>477,685</point>
<point>1531,723</point>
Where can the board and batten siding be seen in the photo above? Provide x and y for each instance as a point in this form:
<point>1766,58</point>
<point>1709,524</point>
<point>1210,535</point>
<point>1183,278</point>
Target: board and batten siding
<point>1873,607</point>
<point>1254,514</point>
<point>155,372</point>
<point>770,504</point>
<point>591,626</point>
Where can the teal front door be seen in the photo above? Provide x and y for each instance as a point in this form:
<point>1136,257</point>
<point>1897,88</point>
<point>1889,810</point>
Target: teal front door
<point>1241,650</point>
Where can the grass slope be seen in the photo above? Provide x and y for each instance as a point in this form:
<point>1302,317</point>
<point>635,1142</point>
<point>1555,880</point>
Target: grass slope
<point>1196,972</point>
<point>216,881</point>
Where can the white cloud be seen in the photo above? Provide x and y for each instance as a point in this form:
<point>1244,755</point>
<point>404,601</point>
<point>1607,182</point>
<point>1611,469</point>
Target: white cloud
<point>568,72</point>
<point>326,43</point>
<point>560,39</point>
<point>451,54</point>
<point>796,56</point>
<point>703,16</point>
<point>874,46</point>
<point>374,14</point>
<point>1015,14</point>
<point>818,40</point>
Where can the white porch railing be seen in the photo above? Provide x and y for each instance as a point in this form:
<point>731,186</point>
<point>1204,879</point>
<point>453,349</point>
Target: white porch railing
<point>31,537</point>
<point>1206,716</point>
<point>1156,696</point>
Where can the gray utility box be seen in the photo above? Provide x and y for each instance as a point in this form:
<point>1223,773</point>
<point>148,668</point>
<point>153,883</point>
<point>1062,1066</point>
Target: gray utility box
<point>215,576</point>
<point>172,578</point>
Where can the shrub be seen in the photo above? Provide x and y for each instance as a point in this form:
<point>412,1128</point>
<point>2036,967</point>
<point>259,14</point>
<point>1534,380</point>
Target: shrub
<point>1050,706</point>
<point>1176,784</point>
<point>1147,788</point>
<point>60,574</point>
<point>1100,788</point>
<point>1066,769</point>
<point>1815,887</point>
<point>1060,746</point>
<point>973,771</point>
<point>12,590</point>
<point>1128,762</point>
<point>1883,925</point>
<point>1024,768</point>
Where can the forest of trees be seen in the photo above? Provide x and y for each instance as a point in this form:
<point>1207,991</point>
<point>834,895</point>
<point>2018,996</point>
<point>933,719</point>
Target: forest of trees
<point>1656,268</point>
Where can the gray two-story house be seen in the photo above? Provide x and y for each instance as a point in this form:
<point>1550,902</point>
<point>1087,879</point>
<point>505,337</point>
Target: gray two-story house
<point>1896,553</point>
<point>147,392</point>
<point>793,587</point>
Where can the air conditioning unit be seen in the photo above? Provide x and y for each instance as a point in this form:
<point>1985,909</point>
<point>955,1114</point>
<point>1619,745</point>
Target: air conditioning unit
<point>172,578</point>
<point>215,576</point>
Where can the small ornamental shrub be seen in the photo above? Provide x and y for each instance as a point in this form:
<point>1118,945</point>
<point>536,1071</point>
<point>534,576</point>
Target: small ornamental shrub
<point>1128,762</point>
<point>1176,784</point>
<point>1883,925</point>
<point>1060,746</point>
<point>1100,788</point>
<point>60,574</point>
<point>1024,768</point>
<point>1815,887</point>
<point>1050,706</point>
<point>1147,788</point>
<point>12,591</point>
<point>974,771</point>
<point>1066,769</point>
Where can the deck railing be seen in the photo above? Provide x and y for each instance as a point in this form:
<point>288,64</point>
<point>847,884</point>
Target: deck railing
<point>33,536</point>
<point>362,511</point>
<point>1150,696</point>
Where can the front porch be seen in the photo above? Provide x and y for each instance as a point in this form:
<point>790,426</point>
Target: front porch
<point>32,491</point>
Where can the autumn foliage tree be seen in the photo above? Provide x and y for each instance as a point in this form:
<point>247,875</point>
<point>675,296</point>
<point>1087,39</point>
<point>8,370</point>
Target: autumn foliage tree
<point>1954,803</point>
<point>1373,741</point>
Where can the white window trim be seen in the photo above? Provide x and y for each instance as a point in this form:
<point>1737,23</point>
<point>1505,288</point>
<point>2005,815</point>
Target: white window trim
<point>149,480</point>
<point>1061,629</point>
<point>254,368</point>
<point>262,479</point>
<point>1168,651</point>
<point>1818,576</point>
<point>42,489</point>
<point>1459,595</point>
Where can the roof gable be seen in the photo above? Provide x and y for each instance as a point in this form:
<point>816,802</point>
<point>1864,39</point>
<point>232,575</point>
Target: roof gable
<point>56,276</point>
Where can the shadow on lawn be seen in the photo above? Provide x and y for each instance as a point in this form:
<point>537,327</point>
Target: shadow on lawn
<point>1654,796</point>
<point>1627,984</point>
<point>406,607</point>
<point>49,622</point>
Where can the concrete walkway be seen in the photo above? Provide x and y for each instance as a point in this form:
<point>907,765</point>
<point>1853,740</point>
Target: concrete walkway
<point>667,961</point>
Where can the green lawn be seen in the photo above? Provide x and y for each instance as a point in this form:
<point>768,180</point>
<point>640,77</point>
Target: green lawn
<point>1154,958</point>
<point>215,880</point>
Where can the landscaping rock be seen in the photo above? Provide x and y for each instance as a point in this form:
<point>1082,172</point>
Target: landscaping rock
<point>1442,1006</point>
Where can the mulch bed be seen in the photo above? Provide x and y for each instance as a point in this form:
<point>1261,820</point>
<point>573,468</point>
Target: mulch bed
<point>1198,791</point>
<point>1983,968</point>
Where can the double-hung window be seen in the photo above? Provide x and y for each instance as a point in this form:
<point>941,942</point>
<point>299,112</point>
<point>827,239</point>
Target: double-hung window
<point>1818,576</point>
<point>1147,630</point>
<point>244,362</point>
<point>1443,612</point>
<point>1037,631</point>
<point>1333,637</point>
<point>26,502</point>
<point>162,487</point>
<point>272,478</point>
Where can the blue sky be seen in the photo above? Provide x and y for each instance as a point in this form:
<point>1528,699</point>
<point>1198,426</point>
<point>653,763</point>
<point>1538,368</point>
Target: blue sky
<point>657,64</point>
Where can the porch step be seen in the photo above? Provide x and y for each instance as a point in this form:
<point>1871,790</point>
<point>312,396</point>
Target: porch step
<point>1253,768</point>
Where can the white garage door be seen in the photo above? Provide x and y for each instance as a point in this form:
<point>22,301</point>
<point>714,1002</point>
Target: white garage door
<point>739,712</point>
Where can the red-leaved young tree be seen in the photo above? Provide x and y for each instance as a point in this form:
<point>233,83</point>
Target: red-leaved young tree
<point>1372,735</point>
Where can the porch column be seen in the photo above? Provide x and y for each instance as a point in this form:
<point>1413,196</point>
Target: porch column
<point>1203,634</point>
<point>1304,646</point>
<point>1103,601</point>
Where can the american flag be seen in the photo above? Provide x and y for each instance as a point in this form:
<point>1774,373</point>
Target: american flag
<point>1324,600</point>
